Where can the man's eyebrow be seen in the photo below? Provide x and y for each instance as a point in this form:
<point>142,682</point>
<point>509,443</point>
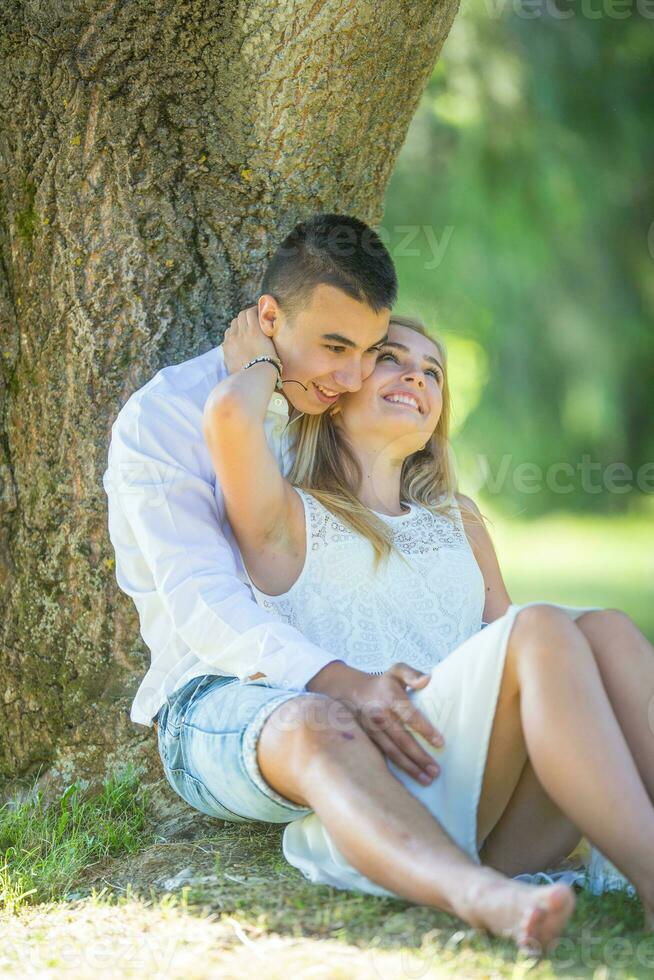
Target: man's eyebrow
<point>340,339</point>
<point>425,357</point>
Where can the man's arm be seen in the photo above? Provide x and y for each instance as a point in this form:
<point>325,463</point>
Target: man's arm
<point>160,477</point>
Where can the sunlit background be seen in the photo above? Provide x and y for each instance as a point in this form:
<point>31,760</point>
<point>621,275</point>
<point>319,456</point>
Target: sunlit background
<point>521,220</point>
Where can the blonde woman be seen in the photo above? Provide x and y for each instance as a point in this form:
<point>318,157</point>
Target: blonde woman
<point>366,547</point>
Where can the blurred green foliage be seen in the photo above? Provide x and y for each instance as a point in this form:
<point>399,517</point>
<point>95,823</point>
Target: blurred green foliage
<point>579,560</point>
<point>520,216</point>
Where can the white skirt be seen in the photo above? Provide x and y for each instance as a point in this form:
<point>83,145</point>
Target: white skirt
<point>460,703</point>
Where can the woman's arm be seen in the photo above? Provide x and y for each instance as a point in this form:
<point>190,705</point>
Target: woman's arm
<point>265,512</point>
<point>497,597</point>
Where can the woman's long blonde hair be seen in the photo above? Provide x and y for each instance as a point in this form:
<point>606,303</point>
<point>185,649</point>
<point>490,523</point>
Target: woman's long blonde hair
<point>326,467</point>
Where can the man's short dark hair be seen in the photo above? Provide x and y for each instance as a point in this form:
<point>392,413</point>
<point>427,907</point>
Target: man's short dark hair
<point>337,250</point>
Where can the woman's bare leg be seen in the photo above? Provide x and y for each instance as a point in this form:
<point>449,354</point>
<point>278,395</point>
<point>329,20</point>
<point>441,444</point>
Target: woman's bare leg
<point>319,756</point>
<point>532,833</point>
<point>625,659</point>
<point>575,743</point>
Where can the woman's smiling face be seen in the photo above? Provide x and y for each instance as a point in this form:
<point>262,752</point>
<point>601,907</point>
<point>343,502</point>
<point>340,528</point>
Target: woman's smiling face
<point>403,397</point>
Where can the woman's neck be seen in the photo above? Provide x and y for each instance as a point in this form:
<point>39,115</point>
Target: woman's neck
<point>381,474</point>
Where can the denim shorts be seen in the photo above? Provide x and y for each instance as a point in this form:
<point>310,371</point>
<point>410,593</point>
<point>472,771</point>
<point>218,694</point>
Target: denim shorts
<point>207,736</point>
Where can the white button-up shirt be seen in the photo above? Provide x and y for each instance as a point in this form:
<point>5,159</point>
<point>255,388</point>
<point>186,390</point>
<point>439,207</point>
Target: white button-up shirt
<point>175,552</point>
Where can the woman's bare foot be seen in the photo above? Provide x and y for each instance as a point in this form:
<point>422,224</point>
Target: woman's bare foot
<point>534,916</point>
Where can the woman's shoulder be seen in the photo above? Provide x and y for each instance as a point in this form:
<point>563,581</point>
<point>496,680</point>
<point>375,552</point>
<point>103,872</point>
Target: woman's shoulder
<point>473,522</point>
<point>468,507</point>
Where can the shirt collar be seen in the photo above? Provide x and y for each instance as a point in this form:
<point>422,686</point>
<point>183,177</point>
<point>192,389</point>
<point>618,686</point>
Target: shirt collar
<point>279,406</point>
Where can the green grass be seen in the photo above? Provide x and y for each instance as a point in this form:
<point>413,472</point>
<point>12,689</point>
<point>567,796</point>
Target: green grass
<point>580,561</point>
<point>45,846</point>
<point>246,912</point>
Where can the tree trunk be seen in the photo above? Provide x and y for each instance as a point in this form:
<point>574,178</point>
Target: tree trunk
<point>152,153</point>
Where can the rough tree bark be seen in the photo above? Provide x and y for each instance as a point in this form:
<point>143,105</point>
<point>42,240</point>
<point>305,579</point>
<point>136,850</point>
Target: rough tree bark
<point>152,152</point>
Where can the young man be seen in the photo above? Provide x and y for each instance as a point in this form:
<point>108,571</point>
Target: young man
<point>221,667</point>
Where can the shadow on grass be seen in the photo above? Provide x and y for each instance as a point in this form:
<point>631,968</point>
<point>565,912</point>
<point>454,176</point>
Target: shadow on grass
<point>105,848</point>
<point>239,871</point>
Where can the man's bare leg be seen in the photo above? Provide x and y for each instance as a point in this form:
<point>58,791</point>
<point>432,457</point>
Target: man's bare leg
<point>385,832</point>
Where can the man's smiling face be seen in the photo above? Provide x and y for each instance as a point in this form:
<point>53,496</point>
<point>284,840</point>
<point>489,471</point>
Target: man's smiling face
<point>330,345</point>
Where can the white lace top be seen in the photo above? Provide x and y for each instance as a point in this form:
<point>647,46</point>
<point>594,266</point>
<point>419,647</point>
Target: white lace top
<point>416,611</point>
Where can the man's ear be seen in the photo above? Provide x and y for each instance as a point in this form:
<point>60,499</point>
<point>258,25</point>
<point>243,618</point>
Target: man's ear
<point>268,314</point>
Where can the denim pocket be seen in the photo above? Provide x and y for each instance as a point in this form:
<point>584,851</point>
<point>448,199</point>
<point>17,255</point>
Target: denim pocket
<point>181,700</point>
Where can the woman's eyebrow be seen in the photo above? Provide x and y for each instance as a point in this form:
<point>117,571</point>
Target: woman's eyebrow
<point>425,357</point>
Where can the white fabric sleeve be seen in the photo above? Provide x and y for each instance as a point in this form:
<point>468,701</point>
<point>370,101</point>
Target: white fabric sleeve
<point>159,474</point>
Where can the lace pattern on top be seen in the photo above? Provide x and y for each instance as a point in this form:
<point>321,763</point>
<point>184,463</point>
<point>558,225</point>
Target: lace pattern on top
<point>415,609</point>
<point>417,532</point>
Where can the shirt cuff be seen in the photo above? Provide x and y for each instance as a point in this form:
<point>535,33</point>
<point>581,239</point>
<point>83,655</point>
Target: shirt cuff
<point>293,668</point>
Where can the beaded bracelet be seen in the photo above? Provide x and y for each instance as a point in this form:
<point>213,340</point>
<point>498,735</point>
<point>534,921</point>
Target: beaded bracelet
<point>271,360</point>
